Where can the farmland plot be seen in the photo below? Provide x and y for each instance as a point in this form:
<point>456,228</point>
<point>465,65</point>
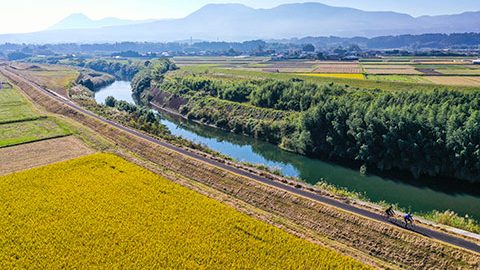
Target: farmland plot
<point>14,107</point>
<point>100,211</point>
<point>399,78</point>
<point>29,131</point>
<point>336,75</point>
<point>27,156</point>
<point>338,67</point>
<point>455,80</point>
<point>391,70</point>
<point>459,71</point>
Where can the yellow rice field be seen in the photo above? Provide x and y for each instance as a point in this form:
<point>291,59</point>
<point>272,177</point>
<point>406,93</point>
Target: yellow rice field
<point>101,211</point>
<point>336,75</point>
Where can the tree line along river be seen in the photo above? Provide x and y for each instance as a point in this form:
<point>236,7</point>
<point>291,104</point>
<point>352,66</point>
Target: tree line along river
<point>422,195</point>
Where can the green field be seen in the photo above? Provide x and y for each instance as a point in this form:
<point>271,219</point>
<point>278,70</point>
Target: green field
<point>14,107</point>
<point>398,78</point>
<point>30,131</point>
<point>101,211</point>
<point>21,123</point>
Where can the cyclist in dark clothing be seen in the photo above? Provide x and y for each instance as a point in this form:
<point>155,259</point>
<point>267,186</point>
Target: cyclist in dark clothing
<point>390,213</point>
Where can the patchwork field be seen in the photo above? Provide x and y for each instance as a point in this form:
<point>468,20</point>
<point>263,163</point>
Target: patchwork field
<point>101,211</point>
<point>219,61</point>
<point>391,83</point>
<point>386,73</point>
<point>21,123</point>
<point>27,156</point>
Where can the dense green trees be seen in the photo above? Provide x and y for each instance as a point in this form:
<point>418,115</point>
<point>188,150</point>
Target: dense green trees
<point>152,71</point>
<point>121,70</point>
<point>110,101</point>
<point>94,80</point>
<point>433,133</point>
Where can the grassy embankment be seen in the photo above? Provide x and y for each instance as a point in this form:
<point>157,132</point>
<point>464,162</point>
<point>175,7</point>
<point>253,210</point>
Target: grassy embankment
<point>101,211</point>
<point>21,123</point>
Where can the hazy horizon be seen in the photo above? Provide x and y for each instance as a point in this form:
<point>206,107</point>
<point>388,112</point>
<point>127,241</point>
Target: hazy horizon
<point>30,16</point>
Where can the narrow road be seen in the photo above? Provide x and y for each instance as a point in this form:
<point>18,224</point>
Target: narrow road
<point>427,232</point>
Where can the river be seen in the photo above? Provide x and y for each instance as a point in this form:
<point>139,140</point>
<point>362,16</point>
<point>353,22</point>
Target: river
<point>406,192</point>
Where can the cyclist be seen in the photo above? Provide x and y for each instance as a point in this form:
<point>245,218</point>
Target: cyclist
<point>408,218</point>
<point>389,212</point>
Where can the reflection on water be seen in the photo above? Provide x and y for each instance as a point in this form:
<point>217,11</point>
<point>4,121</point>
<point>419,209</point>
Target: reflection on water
<point>407,193</point>
<point>120,90</point>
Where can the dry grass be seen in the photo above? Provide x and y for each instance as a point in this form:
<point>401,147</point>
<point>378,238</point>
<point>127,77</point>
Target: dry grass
<point>27,156</point>
<point>455,80</point>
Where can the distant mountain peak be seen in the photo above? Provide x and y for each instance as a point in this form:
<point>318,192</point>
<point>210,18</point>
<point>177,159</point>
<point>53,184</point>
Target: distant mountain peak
<point>72,21</point>
<point>81,21</point>
<point>221,9</point>
<point>77,16</point>
<point>226,5</point>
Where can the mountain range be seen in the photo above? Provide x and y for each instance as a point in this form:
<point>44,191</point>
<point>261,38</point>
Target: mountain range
<point>236,22</point>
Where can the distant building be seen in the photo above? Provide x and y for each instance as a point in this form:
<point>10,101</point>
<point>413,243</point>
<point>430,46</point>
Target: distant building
<point>476,62</point>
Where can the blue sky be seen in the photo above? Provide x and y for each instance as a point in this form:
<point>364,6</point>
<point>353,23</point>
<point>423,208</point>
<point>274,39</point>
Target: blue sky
<point>35,15</point>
